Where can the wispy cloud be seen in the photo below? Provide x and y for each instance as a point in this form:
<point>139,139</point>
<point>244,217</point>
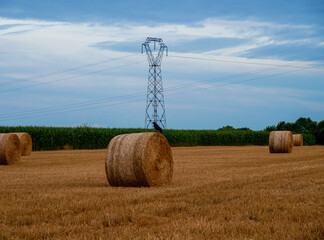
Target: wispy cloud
<point>31,48</point>
<point>31,41</point>
<point>259,33</point>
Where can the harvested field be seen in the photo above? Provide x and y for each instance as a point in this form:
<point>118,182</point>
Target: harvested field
<point>216,193</point>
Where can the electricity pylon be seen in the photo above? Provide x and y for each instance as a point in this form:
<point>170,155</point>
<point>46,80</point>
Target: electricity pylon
<point>155,110</point>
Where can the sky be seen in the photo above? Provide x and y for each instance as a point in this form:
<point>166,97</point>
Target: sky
<point>239,63</point>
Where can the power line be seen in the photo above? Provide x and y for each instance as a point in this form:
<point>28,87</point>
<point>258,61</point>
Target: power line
<point>172,88</point>
<point>87,104</point>
<point>68,78</point>
<point>64,71</point>
<point>241,62</point>
<point>73,105</point>
<point>73,110</point>
<point>241,81</point>
<point>92,64</point>
<point>135,95</point>
<point>244,74</point>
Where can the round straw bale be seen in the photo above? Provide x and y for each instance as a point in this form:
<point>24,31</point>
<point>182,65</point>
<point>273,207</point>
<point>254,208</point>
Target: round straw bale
<point>280,142</point>
<point>26,143</point>
<point>139,159</point>
<point>9,148</point>
<point>298,139</point>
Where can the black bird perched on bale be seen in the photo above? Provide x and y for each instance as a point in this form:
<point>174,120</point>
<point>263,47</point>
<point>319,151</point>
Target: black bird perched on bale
<point>157,127</point>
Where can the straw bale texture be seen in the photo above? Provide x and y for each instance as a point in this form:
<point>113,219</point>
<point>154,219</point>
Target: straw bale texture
<point>26,143</point>
<point>280,142</point>
<point>139,159</point>
<point>298,139</point>
<point>9,148</point>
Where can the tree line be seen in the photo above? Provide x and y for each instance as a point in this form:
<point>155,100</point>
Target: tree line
<point>302,125</point>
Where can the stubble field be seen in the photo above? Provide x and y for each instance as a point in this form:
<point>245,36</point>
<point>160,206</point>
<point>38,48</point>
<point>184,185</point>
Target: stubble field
<point>216,193</point>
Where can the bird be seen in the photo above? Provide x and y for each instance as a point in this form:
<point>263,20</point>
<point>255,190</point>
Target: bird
<point>157,127</point>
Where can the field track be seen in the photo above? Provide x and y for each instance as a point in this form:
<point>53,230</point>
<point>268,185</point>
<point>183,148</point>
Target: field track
<point>216,193</point>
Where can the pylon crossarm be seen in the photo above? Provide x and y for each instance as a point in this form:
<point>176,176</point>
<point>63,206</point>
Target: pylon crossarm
<point>160,55</point>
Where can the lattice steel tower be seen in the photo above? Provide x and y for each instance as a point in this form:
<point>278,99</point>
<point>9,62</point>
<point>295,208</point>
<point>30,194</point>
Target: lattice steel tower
<point>155,110</point>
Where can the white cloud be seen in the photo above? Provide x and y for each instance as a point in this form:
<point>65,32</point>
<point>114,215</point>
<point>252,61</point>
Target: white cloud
<point>35,47</point>
<point>63,37</point>
<point>30,48</point>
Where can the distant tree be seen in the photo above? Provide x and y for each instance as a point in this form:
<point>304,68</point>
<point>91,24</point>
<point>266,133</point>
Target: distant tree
<point>305,125</point>
<point>226,128</point>
<point>84,125</point>
<point>320,125</point>
<point>244,129</point>
<point>302,125</point>
<point>320,133</point>
<point>311,127</point>
<point>281,126</point>
<point>270,128</point>
<point>290,127</point>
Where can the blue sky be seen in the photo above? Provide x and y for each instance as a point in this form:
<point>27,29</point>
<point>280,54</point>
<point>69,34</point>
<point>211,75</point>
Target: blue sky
<point>240,63</point>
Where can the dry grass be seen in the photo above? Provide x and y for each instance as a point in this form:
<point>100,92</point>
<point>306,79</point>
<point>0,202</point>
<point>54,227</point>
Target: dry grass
<point>216,193</point>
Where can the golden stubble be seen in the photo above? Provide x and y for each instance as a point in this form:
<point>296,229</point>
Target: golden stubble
<point>216,193</point>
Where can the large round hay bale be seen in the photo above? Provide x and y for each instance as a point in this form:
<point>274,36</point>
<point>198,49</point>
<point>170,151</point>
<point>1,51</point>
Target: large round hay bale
<point>26,143</point>
<point>280,142</point>
<point>9,148</point>
<point>139,159</point>
<point>298,139</point>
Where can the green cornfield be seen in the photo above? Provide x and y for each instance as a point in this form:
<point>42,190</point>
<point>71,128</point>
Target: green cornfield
<point>56,138</point>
